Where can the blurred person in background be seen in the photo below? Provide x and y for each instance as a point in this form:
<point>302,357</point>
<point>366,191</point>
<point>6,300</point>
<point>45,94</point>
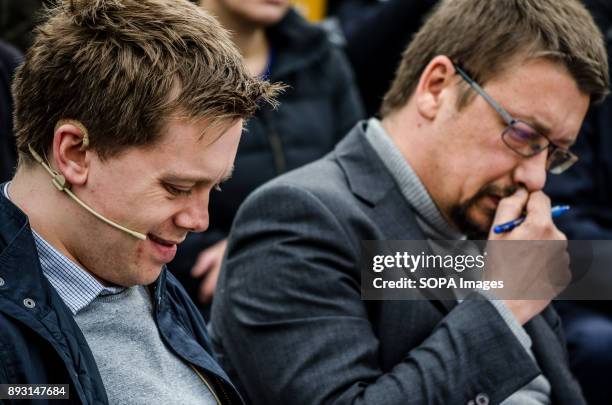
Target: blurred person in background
<point>10,58</point>
<point>18,19</point>
<point>587,188</point>
<point>376,32</point>
<point>319,105</point>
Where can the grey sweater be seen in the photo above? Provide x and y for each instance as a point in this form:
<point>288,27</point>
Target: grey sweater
<point>136,367</point>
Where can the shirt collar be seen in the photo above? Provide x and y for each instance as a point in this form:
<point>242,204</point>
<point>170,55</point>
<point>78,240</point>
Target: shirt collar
<point>77,287</point>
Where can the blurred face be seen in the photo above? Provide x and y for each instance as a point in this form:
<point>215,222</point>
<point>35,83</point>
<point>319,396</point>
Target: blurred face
<point>161,191</point>
<point>258,12</point>
<point>477,169</point>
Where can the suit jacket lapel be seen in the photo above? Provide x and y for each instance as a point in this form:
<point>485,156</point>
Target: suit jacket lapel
<point>372,183</point>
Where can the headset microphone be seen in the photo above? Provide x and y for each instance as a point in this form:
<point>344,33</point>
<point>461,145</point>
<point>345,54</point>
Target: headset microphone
<point>61,184</point>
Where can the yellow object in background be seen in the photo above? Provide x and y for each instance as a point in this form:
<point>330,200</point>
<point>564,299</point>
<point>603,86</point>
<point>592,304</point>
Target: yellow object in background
<point>312,10</point>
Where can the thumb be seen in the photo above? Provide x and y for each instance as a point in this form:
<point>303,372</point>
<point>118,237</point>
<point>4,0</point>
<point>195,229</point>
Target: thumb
<point>204,262</point>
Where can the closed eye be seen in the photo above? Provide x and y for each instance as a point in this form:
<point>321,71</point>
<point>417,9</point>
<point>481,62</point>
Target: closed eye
<point>523,135</point>
<point>177,191</point>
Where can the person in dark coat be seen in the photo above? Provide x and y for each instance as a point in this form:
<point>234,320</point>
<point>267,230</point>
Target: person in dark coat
<point>587,188</point>
<point>127,114</point>
<point>318,106</point>
<point>10,58</point>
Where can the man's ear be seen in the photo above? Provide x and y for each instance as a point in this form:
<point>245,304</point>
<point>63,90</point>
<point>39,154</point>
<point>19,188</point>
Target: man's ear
<point>437,77</point>
<point>70,154</point>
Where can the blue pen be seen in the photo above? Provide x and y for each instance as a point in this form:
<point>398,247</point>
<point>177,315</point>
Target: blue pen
<point>556,211</point>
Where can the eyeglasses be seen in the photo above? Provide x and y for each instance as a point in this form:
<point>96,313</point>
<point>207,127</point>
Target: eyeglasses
<point>522,138</point>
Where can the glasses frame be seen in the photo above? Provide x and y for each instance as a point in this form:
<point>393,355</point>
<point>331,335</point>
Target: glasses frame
<point>569,159</point>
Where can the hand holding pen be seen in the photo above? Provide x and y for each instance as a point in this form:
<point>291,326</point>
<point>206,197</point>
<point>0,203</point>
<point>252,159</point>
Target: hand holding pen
<point>555,211</point>
<point>532,260</point>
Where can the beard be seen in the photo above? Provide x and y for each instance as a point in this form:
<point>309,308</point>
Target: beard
<point>460,213</point>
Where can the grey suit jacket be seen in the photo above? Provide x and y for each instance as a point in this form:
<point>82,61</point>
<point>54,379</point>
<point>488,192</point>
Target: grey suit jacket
<point>289,324</point>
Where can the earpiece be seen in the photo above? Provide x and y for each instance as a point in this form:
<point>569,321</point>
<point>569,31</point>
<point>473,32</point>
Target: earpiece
<point>80,126</point>
<point>59,181</point>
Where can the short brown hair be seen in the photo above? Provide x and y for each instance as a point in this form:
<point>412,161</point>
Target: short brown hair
<point>483,37</point>
<point>121,67</point>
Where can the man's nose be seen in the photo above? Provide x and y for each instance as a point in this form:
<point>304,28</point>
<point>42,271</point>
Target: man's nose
<point>531,172</point>
<point>194,217</point>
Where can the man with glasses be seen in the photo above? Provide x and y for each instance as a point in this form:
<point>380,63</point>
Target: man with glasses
<point>488,98</point>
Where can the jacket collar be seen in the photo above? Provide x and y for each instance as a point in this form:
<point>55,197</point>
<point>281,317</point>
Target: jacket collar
<point>371,182</point>
<point>366,174</point>
<point>27,296</point>
<point>19,263</point>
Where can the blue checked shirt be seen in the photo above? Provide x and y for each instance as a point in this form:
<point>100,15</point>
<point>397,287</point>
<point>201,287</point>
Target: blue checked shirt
<point>76,287</point>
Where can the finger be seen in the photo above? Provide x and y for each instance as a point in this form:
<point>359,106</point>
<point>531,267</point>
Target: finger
<point>209,284</point>
<point>538,208</point>
<point>511,207</point>
<point>203,264</point>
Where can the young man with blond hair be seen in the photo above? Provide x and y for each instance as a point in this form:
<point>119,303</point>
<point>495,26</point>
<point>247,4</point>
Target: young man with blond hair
<point>488,97</point>
<point>127,114</point>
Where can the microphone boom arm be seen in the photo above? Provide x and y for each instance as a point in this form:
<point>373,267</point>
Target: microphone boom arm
<point>61,184</point>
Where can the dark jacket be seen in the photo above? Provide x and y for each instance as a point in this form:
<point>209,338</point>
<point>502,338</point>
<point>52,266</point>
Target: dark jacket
<point>315,112</point>
<point>10,58</point>
<point>289,321</point>
<point>43,343</point>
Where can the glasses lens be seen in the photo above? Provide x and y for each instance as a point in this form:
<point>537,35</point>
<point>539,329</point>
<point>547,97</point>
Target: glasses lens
<point>524,140</point>
<point>560,160</point>
<point>527,142</point>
